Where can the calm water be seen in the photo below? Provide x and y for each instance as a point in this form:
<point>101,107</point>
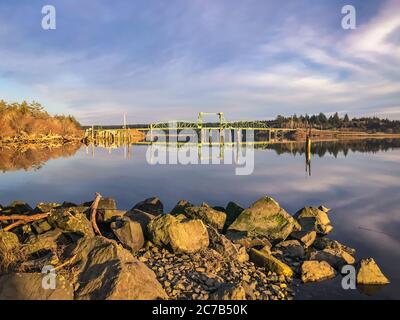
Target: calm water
<point>360,181</point>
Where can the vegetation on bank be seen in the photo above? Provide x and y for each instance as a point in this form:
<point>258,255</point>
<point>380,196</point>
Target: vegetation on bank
<point>29,121</point>
<point>335,122</point>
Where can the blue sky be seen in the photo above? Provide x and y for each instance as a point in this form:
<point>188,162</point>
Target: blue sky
<point>164,60</point>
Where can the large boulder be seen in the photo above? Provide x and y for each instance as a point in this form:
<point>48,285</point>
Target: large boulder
<point>270,263</point>
<point>313,219</point>
<point>105,270</point>
<point>71,220</point>
<point>209,216</point>
<point>306,238</point>
<point>151,205</point>
<point>265,218</point>
<point>335,257</point>
<point>186,236</point>
<point>29,286</point>
<point>129,233</point>
<point>370,274</point>
<point>312,271</point>
<point>229,291</point>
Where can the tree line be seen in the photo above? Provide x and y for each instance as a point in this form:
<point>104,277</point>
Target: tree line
<point>30,119</point>
<point>335,122</point>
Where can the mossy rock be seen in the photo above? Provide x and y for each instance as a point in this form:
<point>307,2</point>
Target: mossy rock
<point>265,218</point>
<point>8,241</point>
<point>71,220</point>
<point>41,226</point>
<point>209,216</point>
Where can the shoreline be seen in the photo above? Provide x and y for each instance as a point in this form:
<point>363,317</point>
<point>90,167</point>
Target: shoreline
<point>326,136</point>
<point>192,252</point>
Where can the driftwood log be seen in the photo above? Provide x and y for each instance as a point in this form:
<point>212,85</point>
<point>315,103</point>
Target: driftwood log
<point>93,212</point>
<point>22,219</point>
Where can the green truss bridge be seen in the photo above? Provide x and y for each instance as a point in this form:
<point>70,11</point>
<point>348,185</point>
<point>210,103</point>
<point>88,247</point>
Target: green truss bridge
<point>200,125</point>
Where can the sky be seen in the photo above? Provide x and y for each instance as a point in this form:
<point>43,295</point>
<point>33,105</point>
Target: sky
<point>169,60</point>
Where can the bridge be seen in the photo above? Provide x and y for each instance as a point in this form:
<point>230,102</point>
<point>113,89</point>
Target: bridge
<point>132,134</point>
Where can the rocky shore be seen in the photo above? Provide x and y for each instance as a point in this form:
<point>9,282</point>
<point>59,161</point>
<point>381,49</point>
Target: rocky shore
<point>95,251</point>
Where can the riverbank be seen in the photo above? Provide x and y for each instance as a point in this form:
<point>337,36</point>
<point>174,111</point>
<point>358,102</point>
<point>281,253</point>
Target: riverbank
<point>192,252</point>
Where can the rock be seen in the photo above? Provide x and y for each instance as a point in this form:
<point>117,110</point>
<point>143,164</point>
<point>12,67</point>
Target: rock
<point>313,219</point>
<point>180,207</point>
<point>188,237</point>
<point>181,236</point>
<point>307,238</point>
<point>369,273</point>
<point>107,210</point>
<point>291,248</point>
<point>159,229</point>
<point>67,204</point>
<point>71,220</point>
<point>232,210</point>
<point>265,218</point>
<point>105,270</point>
<point>225,247</point>
<point>41,226</point>
<point>141,217</point>
<point>43,207</point>
<point>150,205</point>
<point>325,243</point>
<point>8,241</point>
<point>17,207</point>
<point>129,233</point>
<point>241,238</point>
<point>28,286</point>
<point>335,257</point>
<point>209,216</point>
<point>219,208</point>
<point>229,291</point>
<point>270,263</point>
<point>312,271</point>
<point>47,241</point>
<point>324,209</point>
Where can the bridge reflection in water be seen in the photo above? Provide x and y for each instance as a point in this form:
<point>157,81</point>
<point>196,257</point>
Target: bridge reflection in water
<point>211,145</point>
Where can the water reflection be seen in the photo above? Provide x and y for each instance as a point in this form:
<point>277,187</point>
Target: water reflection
<point>33,157</point>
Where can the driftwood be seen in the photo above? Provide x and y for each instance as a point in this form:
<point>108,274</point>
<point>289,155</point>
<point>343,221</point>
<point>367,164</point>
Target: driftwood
<point>22,219</point>
<point>93,209</point>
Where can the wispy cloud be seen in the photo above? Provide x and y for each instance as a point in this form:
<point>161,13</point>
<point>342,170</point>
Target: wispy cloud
<point>159,61</point>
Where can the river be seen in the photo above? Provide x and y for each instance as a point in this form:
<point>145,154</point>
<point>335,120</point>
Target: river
<point>359,180</point>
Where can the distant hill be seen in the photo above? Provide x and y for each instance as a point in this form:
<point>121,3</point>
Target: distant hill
<point>30,121</point>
